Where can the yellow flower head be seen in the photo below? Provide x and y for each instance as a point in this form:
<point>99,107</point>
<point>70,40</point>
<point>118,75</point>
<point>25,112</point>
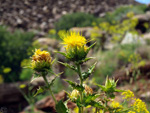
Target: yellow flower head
<point>128,95</point>
<point>131,112</point>
<point>116,105</point>
<point>73,40</point>
<point>41,60</point>
<point>75,45</point>
<point>139,106</point>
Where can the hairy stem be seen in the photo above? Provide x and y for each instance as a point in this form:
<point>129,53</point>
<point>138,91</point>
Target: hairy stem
<point>81,83</point>
<point>45,79</point>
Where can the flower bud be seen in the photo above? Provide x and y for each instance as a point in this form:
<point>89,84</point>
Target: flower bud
<point>87,90</point>
<point>41,60</point>
<point>74,94</point>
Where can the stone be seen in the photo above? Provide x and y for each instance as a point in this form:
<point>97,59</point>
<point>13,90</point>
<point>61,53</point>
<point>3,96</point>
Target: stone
<point>145,96</point>
<point>146,36</point>
<point>132,39</point>
<point>49,42</point>
<point>50,9</point>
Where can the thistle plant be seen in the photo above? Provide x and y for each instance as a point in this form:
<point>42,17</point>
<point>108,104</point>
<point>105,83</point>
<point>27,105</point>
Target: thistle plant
<point>41,64</point>
<point>82,95</point>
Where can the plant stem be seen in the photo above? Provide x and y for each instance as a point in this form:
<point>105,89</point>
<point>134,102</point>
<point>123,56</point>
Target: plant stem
<point>81,83</point>
<point>49,87</point>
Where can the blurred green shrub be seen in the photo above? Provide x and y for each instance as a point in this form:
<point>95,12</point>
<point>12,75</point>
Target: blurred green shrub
<point>26,72</point>
<point>120,13</point>
<point>13,49</point>
<point>112,60</point>
<point>125,51</point>
<point>74,20</point>
<point>114,32</point>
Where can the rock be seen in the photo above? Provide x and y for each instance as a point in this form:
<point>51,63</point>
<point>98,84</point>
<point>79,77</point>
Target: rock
<point>143,17</point>
<point>11,95</point>
<point>146,36</point>
<point>125,74</point>
<point>34,14</point>
<point>132,39</point>
<point>51,44</point>
<point>145,96</point>
<point>143,51</point>
<point>47,104</point>
<point>29,110</point>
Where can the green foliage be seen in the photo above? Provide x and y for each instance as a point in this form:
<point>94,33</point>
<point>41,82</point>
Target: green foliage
<point>116,31</point>
<point>74,20</point>
<point>14,48</point>
<point>26,74</point>
<point>110,88</point>
<point>61,108</point>
<point>75,86</point>
<point>108,66</point>
<point>120,55</point>
<point>120,13</point>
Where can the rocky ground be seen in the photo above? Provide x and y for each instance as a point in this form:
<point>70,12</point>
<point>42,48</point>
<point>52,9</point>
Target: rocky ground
<point>41,14</point>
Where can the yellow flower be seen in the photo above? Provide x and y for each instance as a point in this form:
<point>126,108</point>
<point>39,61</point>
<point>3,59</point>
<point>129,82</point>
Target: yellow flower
<point>128,95</point>
<point>73,40</point>
<point>41,60</point>
<point>22,86</point>
<point>75,45</point>
<point>116,105</point>
<point>131,112</point>
<point>139,106</point>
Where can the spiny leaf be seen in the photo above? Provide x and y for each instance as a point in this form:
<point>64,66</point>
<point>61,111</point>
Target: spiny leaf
<point>40,90</point>
<point>60,107</point>
<point>35,76</point>
<point>90,47</point>
<point>85,60</point>
<point>52,82</point>
<point>64,54</point>
<point>102,87</point>
<point>69,66</point>
<point>53,61</point>
<point>75,86</point>
<point>96,104</point>
<point>85,75</point>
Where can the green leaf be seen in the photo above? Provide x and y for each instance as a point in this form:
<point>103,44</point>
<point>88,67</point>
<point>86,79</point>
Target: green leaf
<point>102,87</point>
<point>85,75</point>
<point>40,90</point>
<point>85,60</point>
<point>96,104</point>
<point>62,53</point>
<point>53,61</point>
<point>75,86</point>
<point>90,47</point>
<point>52,82</point>
<point>35,76</point>
<point>117,90</point>
<point>69,66</point>
<point>61,108</point>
